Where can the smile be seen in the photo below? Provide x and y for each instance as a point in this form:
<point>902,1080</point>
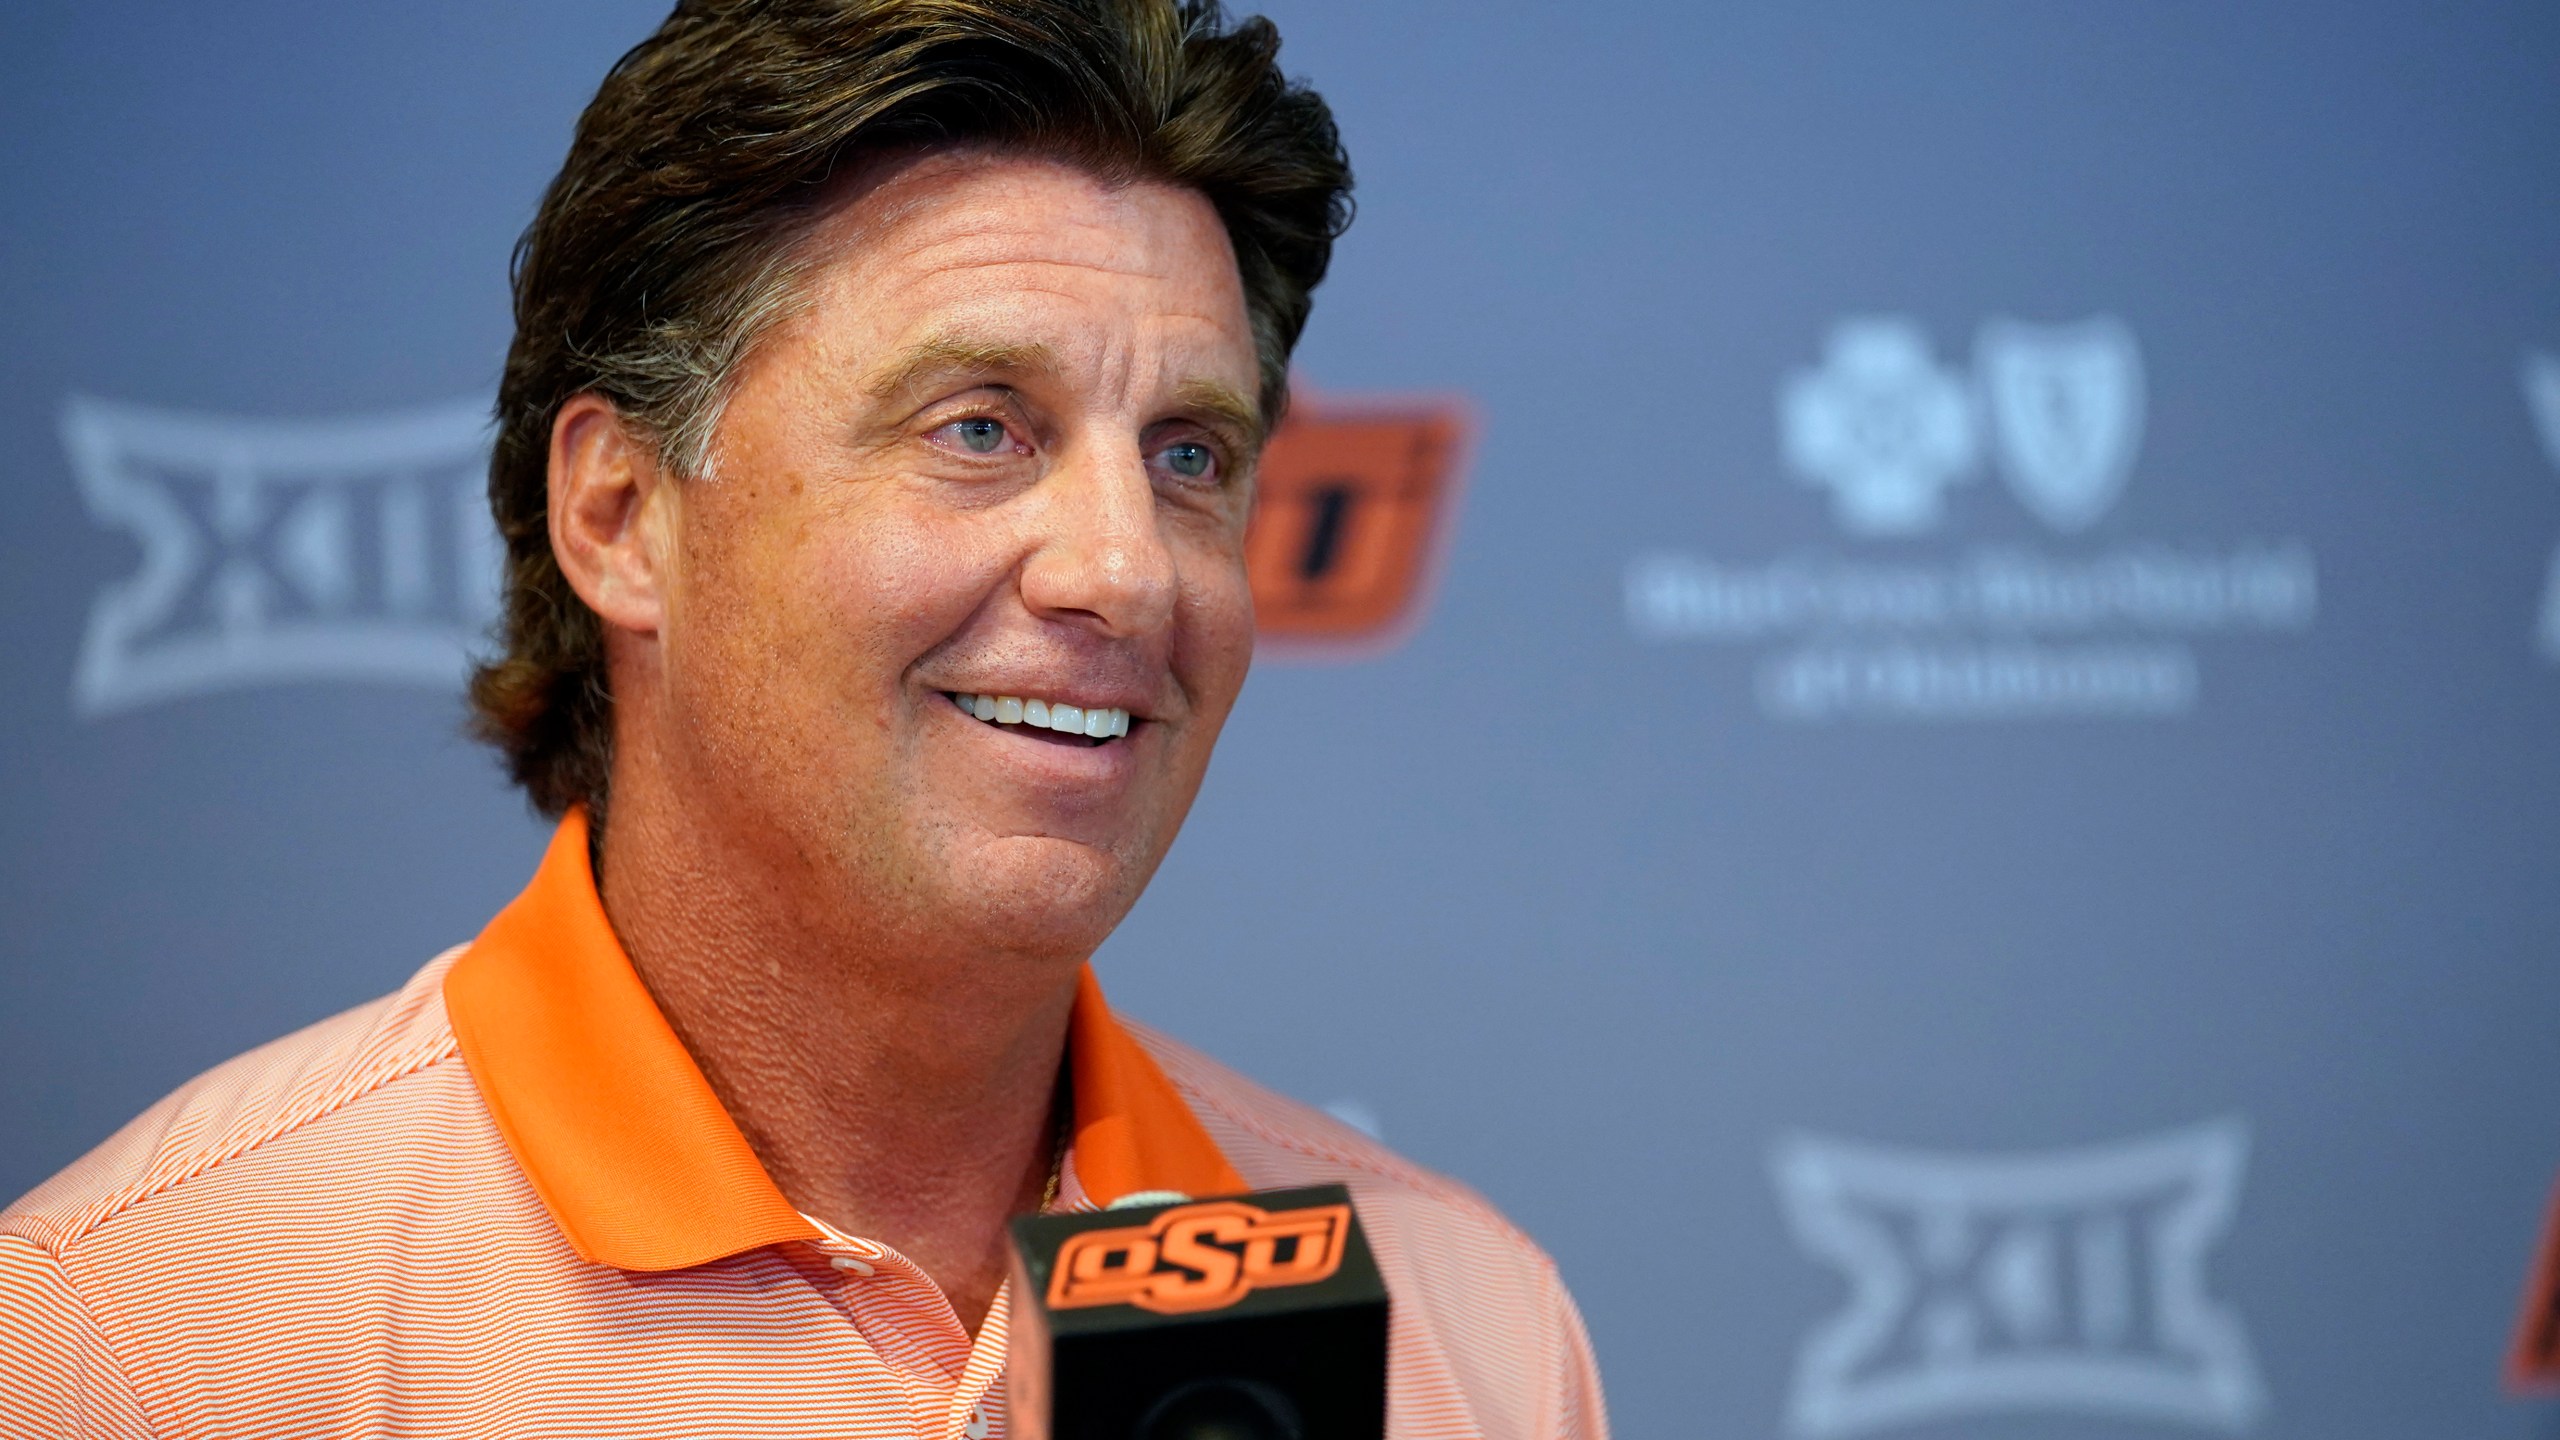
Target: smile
<point>1100,725</point>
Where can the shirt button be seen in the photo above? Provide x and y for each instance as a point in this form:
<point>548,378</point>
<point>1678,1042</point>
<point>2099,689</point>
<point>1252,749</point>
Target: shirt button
<point>847,1262</point>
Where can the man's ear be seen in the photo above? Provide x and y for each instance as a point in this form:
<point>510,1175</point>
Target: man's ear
<point>612,514</point>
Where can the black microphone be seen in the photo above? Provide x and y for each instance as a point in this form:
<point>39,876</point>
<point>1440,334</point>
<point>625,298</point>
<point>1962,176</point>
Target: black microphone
<point>1260,1317</point>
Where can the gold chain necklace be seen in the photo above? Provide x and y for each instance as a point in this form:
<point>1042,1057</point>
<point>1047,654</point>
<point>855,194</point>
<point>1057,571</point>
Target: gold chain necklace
<point>1059,1133</point>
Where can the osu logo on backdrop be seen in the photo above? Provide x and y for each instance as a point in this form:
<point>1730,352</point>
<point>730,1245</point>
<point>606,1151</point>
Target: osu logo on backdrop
<point>1979,1284</point>
<point>361,549</point>
<point>2534,1361</point>
<point>1199,1257</point>
<point>1350,504</point>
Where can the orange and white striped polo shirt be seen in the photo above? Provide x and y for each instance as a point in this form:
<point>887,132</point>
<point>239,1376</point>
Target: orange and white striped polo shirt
<point>504,1202</point>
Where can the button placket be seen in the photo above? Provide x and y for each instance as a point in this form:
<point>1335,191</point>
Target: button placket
<point>907,1322</point>
<point>984,1372</point>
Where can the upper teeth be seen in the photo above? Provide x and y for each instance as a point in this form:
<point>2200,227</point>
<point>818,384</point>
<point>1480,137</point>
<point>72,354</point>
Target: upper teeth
<point>1104,723</point>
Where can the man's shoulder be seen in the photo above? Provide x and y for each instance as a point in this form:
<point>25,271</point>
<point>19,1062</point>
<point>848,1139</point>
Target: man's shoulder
<point>225,1117</point>
<point>1274,1141</point>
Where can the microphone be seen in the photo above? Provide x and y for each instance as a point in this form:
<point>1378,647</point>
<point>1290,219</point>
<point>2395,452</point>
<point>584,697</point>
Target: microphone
<point>1259,1317</point>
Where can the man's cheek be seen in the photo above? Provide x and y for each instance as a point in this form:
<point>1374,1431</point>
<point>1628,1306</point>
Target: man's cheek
<point>1220,635</point>
<point>903,573</point>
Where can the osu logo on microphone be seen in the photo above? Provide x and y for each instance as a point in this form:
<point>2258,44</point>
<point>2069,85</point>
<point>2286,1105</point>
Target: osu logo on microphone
<point>1199,1257</point>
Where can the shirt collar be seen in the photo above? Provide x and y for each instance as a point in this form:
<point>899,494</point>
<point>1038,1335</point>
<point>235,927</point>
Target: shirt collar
<point>621,1136</point>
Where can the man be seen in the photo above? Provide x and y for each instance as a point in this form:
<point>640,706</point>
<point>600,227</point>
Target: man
<point>874,458</point>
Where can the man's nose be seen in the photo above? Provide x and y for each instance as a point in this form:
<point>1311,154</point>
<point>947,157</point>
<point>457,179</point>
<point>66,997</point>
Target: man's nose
<point>1100,560</point>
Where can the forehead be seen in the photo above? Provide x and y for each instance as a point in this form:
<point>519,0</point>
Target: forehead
<point>1024,249</point>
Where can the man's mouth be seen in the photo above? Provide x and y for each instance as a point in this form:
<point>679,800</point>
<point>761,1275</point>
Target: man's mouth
<point>1047,719</point>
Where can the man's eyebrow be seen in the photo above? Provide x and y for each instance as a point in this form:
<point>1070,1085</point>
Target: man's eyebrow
<point>945,356</point>
<point>1226,405</point>
<point>948,355</point>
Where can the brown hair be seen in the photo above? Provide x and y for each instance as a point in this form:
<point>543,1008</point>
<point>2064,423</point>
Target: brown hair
<point>665,246</point>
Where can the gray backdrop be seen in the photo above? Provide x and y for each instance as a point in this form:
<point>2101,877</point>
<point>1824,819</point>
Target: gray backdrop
<point>1968,839</point>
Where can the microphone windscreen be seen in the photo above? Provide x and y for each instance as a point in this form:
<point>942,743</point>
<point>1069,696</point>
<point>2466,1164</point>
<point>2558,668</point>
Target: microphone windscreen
<point>1258,1317</point>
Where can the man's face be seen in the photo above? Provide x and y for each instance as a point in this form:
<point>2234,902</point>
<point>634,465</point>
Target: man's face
<point>1004,450</point>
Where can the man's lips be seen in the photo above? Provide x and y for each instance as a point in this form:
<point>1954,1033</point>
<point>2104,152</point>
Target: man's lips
<point>1052,720</point>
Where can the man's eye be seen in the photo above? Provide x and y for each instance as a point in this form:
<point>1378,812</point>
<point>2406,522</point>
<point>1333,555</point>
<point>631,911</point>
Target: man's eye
<point>981,435</point>
<point>1189,460</point>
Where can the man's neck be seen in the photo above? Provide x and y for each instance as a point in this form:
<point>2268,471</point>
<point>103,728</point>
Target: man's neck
<point>892,1092</point>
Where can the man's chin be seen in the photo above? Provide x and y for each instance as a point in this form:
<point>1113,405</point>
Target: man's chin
<point>1044,894</point>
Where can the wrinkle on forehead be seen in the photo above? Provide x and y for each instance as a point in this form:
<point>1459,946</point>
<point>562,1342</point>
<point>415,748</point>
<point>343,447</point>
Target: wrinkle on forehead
<point>892,192</point>
<point>957,263</point>
<point>926,256</point>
